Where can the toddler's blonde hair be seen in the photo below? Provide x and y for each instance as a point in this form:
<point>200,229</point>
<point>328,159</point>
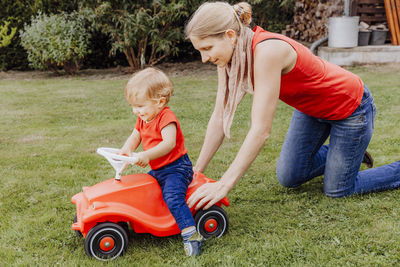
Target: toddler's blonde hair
<point>151,83</point>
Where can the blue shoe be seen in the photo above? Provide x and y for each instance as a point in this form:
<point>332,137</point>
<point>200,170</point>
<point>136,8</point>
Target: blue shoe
<point>193,245</point>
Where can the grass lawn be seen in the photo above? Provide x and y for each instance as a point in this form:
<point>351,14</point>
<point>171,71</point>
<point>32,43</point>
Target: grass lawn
<point>51,128</point>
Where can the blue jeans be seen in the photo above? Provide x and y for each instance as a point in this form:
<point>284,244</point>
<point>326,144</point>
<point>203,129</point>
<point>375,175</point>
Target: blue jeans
<point>304,156</point>
<point>174,180</point>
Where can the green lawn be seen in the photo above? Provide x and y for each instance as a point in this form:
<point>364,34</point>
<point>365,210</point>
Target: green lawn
<point>49,132</point>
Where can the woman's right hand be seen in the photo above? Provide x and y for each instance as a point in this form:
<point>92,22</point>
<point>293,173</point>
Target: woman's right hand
<point>207,195</point>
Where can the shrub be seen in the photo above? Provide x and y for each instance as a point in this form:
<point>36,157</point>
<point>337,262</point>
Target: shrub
<point>5,34</point>
<point>19,12</point>
<point>145,33</point>
<point>55,42</point>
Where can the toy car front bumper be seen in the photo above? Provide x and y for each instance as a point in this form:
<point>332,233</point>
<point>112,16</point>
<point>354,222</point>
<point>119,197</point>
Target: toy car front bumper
<point>81,204</point>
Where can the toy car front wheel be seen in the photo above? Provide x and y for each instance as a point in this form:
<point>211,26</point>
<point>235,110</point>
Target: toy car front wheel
<point>212,222</point>
<point>106,241</point>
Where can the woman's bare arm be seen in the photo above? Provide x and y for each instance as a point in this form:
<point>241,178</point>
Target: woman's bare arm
<point>271,58</point>
<point>215,133</point>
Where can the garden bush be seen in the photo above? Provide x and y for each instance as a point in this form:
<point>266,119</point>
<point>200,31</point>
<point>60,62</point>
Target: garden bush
<point>146,33</point>
<point>56,42</point>
<point>20,12</point>
<point>6,34</point>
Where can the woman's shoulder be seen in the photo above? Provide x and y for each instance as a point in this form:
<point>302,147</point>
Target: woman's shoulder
<point>261,36</point>
<point>272,46</point>
<point>276,52</point>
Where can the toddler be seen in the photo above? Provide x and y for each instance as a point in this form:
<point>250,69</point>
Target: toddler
<point>157,128</point>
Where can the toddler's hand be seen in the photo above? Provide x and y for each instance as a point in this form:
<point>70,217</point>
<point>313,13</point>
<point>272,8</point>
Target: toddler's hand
<point>123,152</point>
<point>143,159</point>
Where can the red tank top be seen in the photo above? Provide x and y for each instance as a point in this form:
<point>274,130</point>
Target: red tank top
<point>316,87</point>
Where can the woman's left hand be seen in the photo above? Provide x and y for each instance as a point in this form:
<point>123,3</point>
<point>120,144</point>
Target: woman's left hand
<point>209,193</point>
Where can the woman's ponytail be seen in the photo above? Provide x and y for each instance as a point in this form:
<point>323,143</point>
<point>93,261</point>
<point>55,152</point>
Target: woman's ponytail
<point>243,11</point>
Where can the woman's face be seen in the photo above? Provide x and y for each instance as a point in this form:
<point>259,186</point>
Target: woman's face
<point>217,50</point>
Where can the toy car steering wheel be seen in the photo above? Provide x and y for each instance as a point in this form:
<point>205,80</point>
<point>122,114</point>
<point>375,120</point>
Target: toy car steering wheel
<point>119,162</point>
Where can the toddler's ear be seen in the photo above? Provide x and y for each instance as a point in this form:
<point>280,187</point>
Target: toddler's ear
<point>162,101</point>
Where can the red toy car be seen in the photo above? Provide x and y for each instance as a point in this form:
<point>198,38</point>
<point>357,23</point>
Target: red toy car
<point>104,210</point>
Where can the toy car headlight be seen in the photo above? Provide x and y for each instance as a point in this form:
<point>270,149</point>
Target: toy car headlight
<point>98,205</point>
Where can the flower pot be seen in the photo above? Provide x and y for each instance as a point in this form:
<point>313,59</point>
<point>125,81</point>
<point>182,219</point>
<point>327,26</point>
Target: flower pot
<point>343,31</point>
<point>363,37</point>
<point>378,37</point>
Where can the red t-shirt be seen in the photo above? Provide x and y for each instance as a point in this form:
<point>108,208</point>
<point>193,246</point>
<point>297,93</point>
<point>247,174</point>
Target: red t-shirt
<point>316,87</point>
<point>150,134</point>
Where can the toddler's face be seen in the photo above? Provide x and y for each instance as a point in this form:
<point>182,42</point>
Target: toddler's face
<point>146,109</point>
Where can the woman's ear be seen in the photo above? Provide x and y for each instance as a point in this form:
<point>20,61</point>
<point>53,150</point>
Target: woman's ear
<point>231,35</point>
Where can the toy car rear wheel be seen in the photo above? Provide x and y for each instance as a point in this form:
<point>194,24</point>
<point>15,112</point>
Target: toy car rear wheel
<point>212,222</point>
<point>106,241</point>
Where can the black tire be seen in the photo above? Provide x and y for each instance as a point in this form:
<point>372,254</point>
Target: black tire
<point>78,233</point>
<point>106,241</point>
<point>212,222</point>
<point>125,226</point>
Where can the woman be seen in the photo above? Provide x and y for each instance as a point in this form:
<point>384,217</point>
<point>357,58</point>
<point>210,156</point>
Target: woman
<point>328,100</point>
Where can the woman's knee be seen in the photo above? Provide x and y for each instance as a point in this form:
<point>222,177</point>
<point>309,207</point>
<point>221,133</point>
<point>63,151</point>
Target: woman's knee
<point>337,192</point>
<point>286,176</point>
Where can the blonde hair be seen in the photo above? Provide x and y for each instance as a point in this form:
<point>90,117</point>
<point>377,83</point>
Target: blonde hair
<point>151,83</point>
<point>214,18</point>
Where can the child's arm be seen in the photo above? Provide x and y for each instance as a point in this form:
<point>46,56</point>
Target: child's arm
<point>168,143</point>
<point>132,143</point>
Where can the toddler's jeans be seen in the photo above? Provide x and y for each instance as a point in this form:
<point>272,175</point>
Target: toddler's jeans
<point>174,179</point>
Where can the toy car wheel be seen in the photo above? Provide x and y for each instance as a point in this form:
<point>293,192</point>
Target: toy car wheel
<point>212,222</point>
<point>78,233</point>
<point>106,241</point>
<point>125,226</point>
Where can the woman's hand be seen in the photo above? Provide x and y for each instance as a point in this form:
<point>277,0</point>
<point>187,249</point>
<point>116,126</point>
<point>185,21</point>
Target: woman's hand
<point>209,193</point>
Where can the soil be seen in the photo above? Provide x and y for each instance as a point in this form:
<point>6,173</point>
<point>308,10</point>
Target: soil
<point>196,68</point>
